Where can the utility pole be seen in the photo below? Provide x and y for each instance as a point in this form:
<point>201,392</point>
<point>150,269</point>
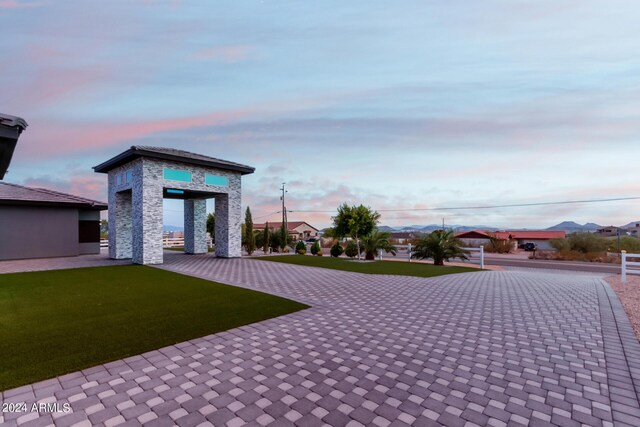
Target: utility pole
<point>284,215</point>
<point>443,224</point>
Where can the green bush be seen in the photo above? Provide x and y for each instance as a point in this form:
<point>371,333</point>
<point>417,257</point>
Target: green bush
<point>301,248</point>
<point>627,243</point>
<point>560,245</point>
<point>586,243</point>
<point>336,250</point>
<point>351,249</point>
<point>315,248</point>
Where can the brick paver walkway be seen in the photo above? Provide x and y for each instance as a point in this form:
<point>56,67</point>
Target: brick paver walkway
<point>487,348</point>
<point>60,263</point>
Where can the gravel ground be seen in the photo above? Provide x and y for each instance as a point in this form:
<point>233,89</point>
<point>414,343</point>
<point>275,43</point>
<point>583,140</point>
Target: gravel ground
<point>629,294</point>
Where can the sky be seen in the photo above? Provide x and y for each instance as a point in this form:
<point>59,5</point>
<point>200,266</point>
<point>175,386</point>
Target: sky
<point>396,105</point>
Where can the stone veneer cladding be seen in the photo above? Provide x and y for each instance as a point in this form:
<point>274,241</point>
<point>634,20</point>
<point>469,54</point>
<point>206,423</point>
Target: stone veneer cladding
<point>135,225</point>
<point>195,226</point>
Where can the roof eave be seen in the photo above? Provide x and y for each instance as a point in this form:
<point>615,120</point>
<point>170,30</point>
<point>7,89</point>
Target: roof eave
<point>134,153</point>
<point>89,206</point>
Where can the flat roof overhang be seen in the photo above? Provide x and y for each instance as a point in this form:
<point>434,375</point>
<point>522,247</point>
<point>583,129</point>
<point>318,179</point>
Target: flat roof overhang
<point>136,152</point>
<point>8,140</point>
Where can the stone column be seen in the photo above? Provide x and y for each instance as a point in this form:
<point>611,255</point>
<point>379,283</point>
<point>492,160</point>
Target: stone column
<point>195,226</point>
<point>147,214</point>
<point>228,232</point>
<point>120,225</point>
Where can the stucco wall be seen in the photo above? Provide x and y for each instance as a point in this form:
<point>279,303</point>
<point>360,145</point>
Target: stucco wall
<point>37,232</point>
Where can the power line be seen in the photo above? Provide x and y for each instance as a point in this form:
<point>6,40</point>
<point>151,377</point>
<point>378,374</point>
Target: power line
<point>514,205</point>
<point>264,216</point>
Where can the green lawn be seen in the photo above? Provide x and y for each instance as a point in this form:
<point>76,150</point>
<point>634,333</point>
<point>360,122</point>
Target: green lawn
<point>56,322</point>
<point>375,267</point>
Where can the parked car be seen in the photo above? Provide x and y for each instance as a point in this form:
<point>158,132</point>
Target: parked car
<point>311,241</point>
<point>529,246</point>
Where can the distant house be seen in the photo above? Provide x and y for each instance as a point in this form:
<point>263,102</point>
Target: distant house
<point>634,230</point>
<point>298,230</point>
<point>540,238</point>
<point>39,223</point>
<point>611,230</point>
<point>402,237</point>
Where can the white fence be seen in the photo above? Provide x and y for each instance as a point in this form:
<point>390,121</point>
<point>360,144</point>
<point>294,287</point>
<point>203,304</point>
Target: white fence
<point>405,251</point>
<point>626,264</point>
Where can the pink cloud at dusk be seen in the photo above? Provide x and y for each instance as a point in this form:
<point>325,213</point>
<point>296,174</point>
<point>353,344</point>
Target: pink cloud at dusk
<point>91,186</point>
<point>15,4</point>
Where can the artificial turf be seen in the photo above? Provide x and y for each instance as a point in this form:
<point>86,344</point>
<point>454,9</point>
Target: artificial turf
<point>370,267</point>
<point>56,322</point>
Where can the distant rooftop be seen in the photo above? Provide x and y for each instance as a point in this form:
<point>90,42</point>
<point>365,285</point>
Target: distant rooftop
<point>10,129</point>
<point>12,194</point>
<point>163,153</point>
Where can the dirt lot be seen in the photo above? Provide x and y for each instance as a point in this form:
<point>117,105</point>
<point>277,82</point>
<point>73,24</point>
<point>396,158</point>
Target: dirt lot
<point>629,294</point>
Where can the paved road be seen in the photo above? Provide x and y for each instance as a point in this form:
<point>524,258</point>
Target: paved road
<point>591,267</point>
<point>486,348</point>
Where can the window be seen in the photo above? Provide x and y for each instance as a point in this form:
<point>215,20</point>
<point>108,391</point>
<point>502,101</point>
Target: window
<point>220,181</point>
<point>177,175</point>
<point>129,177</point>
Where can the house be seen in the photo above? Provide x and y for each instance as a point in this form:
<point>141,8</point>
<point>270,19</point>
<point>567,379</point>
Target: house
<point>298,230</point>
<point>634,230</point>
<point>403,237</point>
<point>611,230</point>
<point>540,238</point>
<point>39,223</point>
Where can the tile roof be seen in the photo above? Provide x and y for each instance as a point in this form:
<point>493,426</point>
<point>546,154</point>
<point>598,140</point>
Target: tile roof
<point>170,154</point>
<point>14,194</point>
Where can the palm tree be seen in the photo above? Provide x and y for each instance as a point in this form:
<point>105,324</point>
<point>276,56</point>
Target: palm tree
<point>440,245</point>
<point>375,241</point>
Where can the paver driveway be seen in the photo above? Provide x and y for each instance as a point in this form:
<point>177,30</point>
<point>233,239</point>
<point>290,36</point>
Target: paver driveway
<point>487,348</point>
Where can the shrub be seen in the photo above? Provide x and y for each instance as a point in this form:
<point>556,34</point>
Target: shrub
<point>498,246</point>
<point>560,245</point>
<point>440,245</point>
<point>319,253</point>
<point>301,248</point>
<point>302,251</point>
<point>336,250</point>
<point>351,249</point>
<point>627,243</point>
<point>315,248</point>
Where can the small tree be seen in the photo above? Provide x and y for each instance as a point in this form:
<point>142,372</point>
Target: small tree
<point>301,248</point>
<point>315,248</point>
<point>440,245</point>
<point>265,238</point>
<point>355,222</point>
<point>378,240</point>
<point>211,226</point>
<point>250,244</point>
<point>352,249</point>
<point>336,250</point>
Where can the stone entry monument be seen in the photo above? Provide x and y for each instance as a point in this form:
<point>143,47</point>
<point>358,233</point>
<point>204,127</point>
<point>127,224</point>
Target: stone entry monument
<point>141,177</point>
